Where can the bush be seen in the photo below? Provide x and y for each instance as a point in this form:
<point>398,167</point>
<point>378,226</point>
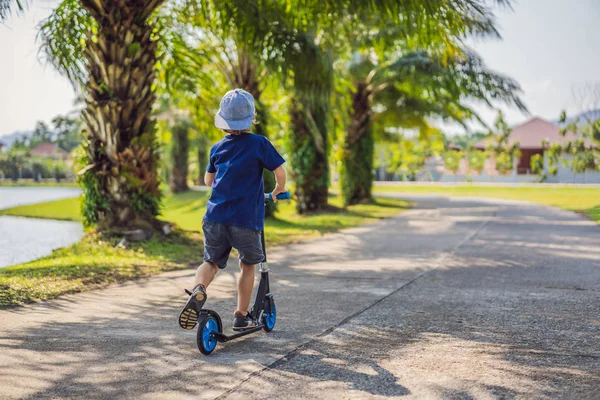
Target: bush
<point>19,165</point>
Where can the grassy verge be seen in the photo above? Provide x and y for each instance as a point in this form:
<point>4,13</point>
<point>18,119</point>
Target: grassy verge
<point>580,199</point>
<point>65,209</point>
<point>96,262</point>
<point>31,183</point>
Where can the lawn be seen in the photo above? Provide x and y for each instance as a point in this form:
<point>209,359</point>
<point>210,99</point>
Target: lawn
<point>65,209</point>
<point>96,262</point>
<point>31,182</point>
<point>580,199</point>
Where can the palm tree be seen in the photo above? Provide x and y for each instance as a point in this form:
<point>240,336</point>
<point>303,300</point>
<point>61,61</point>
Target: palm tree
<point>325,27</point>
<point>410,78</point>
<point>116,71</point>
<point>408,90</point>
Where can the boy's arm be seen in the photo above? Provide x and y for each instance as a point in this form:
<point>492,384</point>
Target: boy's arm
<point>280,179</point>
<point>209,177</point>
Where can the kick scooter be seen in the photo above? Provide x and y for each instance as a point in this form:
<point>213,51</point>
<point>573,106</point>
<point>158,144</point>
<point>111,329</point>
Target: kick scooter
<point>264,312</point>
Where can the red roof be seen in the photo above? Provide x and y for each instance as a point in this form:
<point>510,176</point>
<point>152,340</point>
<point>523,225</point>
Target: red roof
<point>531,134</point>
<point>49,150</point>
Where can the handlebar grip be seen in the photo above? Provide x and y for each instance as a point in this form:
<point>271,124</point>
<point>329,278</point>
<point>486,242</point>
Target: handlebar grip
<point>280,196</point>
<point>284,196</point>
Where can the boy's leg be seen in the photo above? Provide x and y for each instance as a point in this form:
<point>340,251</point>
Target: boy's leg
<point>216,253</point>
<point>205,274</point>
<point>249,245</point>
<point>245,286</point>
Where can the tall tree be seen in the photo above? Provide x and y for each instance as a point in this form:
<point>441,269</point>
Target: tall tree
<point>180,148</point>
<point>407,89</point>
<point>116,68</point>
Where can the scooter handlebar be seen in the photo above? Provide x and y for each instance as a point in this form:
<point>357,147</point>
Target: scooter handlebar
<point>280,196</point>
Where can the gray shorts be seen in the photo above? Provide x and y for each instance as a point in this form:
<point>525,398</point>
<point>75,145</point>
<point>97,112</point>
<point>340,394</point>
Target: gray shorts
<point>220,238</point>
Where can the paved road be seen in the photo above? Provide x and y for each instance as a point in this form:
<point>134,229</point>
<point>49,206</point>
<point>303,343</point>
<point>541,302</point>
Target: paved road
<point>454,299</point>
<point>26,239</point>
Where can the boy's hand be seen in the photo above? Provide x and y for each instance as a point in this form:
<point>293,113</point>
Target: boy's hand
<point>275,192</point>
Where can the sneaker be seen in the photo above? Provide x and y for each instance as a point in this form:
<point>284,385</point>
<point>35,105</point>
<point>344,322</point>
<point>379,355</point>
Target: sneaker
<point>188,317</point>
<point>242,322</point>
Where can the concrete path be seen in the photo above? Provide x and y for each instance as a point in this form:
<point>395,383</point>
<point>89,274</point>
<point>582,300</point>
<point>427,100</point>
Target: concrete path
<point>455,299</point>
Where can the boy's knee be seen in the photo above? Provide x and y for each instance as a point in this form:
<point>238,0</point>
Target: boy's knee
<point>246,266</point>
<point>208,264</point>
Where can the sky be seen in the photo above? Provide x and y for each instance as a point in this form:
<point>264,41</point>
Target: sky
<point>548,46</point>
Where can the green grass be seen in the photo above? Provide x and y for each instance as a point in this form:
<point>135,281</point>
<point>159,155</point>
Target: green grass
<point>95,262</point>
<point>46,183</point>
<point>65,209</point>
<point>186,210</point>
<point>580,199</point>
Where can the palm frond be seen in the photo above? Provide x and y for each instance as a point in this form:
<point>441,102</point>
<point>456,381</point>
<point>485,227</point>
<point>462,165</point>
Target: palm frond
<point>62,38</point>
<point>7,7</point>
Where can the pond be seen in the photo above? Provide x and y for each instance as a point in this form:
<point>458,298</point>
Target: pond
<point>27,239</point>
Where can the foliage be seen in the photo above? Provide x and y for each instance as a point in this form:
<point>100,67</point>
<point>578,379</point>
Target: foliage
<point>475,159</point>
<point>581,153</point>
<point>19,164</point>
<point>452,159</point>
<point>505,154</point>
<point>409,154</point>
<point>463,141</point>
<point>65,132</point>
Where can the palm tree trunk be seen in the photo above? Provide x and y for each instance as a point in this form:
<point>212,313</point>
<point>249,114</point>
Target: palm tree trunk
<point>202,155</point>
<point>357,164</point>
<point>179,157</point>
<point>121,183</point>
<point>309,158</point>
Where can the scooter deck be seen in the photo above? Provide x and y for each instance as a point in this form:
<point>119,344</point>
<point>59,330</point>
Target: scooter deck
<point>221,337</point>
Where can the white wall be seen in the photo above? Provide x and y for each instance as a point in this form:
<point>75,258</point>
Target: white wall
<point>565,175</point>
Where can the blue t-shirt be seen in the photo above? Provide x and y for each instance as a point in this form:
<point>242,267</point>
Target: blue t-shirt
<point>237,197</point>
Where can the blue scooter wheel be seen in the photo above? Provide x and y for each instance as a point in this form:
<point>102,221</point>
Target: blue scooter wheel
<point>270,315</point>
<point>206,342</point>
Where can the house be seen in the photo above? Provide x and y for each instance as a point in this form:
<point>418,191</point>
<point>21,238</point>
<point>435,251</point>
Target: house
<point>530,136</point>
<point>50,150</point>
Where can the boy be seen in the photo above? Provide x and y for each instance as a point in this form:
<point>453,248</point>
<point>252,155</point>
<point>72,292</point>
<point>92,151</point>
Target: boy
<point>235,211</point>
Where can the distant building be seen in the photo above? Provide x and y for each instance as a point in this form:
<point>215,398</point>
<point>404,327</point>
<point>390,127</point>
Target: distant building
<point>530,136</point>
<point>48,149</point>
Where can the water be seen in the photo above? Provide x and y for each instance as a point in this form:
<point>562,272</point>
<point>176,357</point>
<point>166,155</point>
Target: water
<point>27,239</point>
